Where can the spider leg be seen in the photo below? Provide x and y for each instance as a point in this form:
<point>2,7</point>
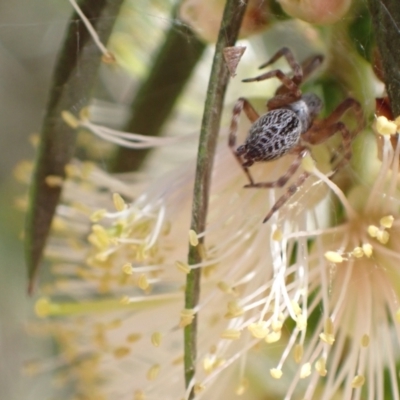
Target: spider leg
<point>323,130</point>
<point>316,134</point>
<point>281,100</point>
<point>346,145</point>
<point>302,151</point>
<point>241,104</point>
<point>292,88</point>
<point>296,68</point>
<point>292,189</point>
<point>289,91</point>
<point>308,66</point>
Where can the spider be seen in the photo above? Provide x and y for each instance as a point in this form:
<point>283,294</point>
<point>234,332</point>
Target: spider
<point>289,126</point>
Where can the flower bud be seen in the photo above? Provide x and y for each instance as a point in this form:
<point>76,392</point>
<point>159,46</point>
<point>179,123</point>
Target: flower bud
<point>316,11</point>
<point>204,17</point>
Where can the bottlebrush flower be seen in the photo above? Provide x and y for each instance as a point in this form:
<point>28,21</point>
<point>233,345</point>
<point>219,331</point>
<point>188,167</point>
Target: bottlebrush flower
<point>310,299</point>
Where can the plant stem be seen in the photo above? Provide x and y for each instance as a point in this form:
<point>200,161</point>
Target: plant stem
<point>157,95</point>
<point>219,77</point>
<point>386,21</point>
<point>73,80</point>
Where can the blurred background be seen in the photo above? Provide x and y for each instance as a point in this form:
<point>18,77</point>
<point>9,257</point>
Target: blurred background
<point>31,34</point>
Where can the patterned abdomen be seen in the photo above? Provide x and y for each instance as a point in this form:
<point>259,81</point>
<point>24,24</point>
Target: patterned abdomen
<point>273,135</point>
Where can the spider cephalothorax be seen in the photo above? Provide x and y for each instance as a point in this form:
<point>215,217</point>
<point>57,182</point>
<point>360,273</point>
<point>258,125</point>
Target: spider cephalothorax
<point>289,126</point>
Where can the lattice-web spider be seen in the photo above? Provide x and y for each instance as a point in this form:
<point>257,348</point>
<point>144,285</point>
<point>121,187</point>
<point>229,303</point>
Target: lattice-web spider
<point>289,125</point>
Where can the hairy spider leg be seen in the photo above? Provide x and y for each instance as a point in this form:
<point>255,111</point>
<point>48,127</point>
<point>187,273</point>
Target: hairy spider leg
<point>241,104</point>
<point>286,196</point>
<point>291,91</point>
<point>302,151</point>
<point>294,65</point>
<point>288,82</point>
<point>324,129</point>
<point>313,136</point>
<point>308,66</point>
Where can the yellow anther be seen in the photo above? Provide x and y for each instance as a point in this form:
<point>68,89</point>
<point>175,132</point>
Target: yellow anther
<point>208,364</point>
<point>193,239</point>
<point>153,372</point>
<point>305,370</point>
<point>187,316</point>
<point>182,266</point>
<point>58,224</point>
<point>334,256</point>
<point>178,360</point>
<point>119,202</point>
<point>367,249</point>
<point>139,395</point>
<point>273,337</point>
<point>98,215</point>
<point>276,373</point>
<point>127,269</point>
<point>143,283</point>
<point>276,326</point>
<point>259,329</point>
<point>357,381</point>
<point>383,236</point>
<point>84,113</point>
<point>234,310</point>
<point>277,235</point>
<point>385,127</point>
<point>296,307</point>
<point>365,340</point>
<point>133,337</point>
<point>387,221</point>
<point>70,119</point>
<point>43,307</point>
<point>242,387</point>
<point>373,231</point>
<point>357,252</point>
<point>156,339</point>
<point>320,366</point>
<point>121,352</point>
<point>231,334</point>
<point>298,353</point>
<point>225,288</point>
<point>198,388</point>
<point>301,322</point>
<point>101,239</point>
<point>329,339</point>
<point>54,181</point>
<point>328,335</point>
<point>72,171</point>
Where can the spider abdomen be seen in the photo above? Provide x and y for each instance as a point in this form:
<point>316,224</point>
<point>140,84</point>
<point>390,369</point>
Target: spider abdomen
<point>273,135</point>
